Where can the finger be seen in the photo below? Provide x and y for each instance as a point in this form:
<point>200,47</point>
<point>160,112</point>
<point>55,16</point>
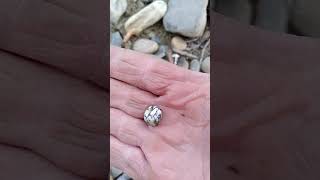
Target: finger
<point>130,99</point>
<point>147,72</point>
<point>128,158</point>
<point>134,101</point>
<point>128,129</point>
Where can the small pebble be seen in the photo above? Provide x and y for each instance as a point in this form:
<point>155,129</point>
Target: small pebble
<point>115,172</point>
<point>182,62</point>
<point>178,43</point>
<point>162,52</point>
<point>205,66</point>
<point>124,177</point>
<point>117,9</point>
<point>116,39</point>
<point>145,18</point>
<point>155,38</point>
<point>186,17</point>
<point>195,65</point>
<point>145,46</point>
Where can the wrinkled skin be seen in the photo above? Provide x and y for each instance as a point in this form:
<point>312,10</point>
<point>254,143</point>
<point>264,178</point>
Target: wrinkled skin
<point>53,120</point>
<point>178,148</point>
<point>266,104</point>
<point>53,116</point>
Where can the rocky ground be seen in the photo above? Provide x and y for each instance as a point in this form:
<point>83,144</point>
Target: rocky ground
<point>176,31</point>
<point>172,32</point>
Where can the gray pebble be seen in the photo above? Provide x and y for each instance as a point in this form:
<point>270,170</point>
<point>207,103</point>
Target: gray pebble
<point>182,62</point>
<point>116,39</point>
<point>115,172</point>
<point>186,17</point>
<point>162,52</point>
<point>205,66</point>
<point>117,9</point>
<point>124,177</point>
<point>195,65</point>
<point>155,38</point>
<point>145,46</point>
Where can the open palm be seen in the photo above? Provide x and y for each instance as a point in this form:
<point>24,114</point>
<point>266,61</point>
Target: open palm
<point>179,147</point>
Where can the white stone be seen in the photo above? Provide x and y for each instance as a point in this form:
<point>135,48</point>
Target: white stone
<point>205,66</point>
<point>195,65</point>
<point>145,46</point>
<point>145,18</point>
<point>117,9</point>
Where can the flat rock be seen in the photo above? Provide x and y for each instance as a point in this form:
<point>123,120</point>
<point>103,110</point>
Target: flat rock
<point>116,39</point>
<point>178,43</point>
<point>117,9</point>
<point>186,17</point>
<point>145,46</point>
<point>195,65</point>
<point>205,66</point>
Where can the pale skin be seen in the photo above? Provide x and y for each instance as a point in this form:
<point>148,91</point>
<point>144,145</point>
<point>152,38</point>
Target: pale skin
<point>179,147</point>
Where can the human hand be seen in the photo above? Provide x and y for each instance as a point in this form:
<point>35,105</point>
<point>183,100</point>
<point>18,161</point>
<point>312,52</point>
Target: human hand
<point>54,116</point>
<point>266,104</point>
<point>18,163</point>
<point>179,147</point>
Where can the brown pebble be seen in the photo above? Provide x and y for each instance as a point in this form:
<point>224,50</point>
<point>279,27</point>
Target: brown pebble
<point>178,43</point>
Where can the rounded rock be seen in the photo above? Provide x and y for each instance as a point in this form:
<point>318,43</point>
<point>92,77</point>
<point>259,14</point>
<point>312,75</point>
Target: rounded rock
<point>205,66</point>
<point>162,52</point>
<point>178,43</point>
<point>152,116</point>
<point>115,172</point>
<point>145,46</point>
<point>117,9</point>
<point>182,62</point>
<point>195,65</point>
<point>116,39</point>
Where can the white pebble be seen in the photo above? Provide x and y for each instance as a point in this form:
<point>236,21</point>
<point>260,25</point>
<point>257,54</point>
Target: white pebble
<point>145,18</point>
<point>117,8</point>
<point>145,46</point>
<point>205,66</point>
<point>195,65</point>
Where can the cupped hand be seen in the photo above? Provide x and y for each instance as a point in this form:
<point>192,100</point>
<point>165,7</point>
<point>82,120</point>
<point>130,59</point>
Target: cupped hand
<point>179,147</point>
